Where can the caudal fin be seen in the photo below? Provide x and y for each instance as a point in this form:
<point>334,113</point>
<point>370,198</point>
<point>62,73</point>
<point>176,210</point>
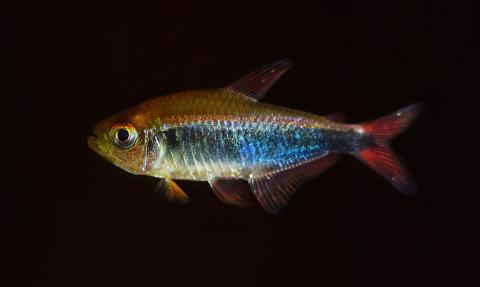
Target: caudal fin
<point>378,154</point>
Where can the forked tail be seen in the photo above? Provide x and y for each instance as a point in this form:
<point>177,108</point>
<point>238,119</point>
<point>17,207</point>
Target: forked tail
<point>378,155</point>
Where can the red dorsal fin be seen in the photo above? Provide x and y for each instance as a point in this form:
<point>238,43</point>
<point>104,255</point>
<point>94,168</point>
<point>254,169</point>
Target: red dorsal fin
<point>256,84</point>
<point>231,191</point>
<point>274,190</point>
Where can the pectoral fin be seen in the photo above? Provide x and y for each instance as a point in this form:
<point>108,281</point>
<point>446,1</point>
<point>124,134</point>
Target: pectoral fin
<point>172,191</point>
<point>273,190</point>
<point>231,191</point>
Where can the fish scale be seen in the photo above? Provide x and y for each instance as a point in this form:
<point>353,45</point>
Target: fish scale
<point>234,149</point>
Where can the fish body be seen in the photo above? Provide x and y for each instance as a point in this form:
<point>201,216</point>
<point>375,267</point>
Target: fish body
<point>238,140</point>
<point>228,138</point>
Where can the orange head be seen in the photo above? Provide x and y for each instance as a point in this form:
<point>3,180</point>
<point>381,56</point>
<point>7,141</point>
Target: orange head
<point>121,139</point>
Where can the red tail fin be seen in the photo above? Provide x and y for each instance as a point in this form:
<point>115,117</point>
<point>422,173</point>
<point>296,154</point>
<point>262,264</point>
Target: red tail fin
<point>379,157</point>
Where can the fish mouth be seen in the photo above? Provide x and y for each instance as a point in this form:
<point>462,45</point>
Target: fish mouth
<point>92,141</point>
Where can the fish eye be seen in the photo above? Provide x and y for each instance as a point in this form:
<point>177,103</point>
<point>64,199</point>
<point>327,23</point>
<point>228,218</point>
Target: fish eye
<point>124,136</point>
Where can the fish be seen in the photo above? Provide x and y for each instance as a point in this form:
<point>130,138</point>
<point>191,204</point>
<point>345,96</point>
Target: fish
<point>241,146</point>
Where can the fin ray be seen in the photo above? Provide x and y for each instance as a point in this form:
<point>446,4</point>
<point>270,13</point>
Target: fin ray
<point>382,160</point>
<point>172,191</point>
<point>379,157</point>
<point>256,84</point>
<point>274,190</point>
<point>231,191</point>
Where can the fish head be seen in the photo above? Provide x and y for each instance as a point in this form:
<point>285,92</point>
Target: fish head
<point>120,140</point>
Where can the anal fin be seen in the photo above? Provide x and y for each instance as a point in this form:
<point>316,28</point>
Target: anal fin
<point>231,191</point>
<point>273,190</point>
<point>172,191</point>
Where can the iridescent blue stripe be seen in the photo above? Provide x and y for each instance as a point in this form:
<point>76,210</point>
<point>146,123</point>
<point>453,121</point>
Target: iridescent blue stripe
<point>223,145</point>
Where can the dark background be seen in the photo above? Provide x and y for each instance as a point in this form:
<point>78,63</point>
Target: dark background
<point>70,218</point>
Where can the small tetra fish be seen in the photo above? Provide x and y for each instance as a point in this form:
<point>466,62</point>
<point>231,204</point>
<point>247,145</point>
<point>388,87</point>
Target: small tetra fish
<point>226,137</point>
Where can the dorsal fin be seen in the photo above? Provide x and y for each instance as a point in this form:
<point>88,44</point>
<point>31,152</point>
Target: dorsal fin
<point>274,190</point>
<point>231,191</point>
<point>256,84</point>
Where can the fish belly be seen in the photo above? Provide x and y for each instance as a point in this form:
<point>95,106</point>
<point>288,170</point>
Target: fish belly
<point>235,149</point>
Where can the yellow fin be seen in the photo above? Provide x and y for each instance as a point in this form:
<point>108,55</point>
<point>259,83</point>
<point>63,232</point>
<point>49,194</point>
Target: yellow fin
<point>172,191</point>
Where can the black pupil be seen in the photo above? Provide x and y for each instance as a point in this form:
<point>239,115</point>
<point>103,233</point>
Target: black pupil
<point>122,135</point>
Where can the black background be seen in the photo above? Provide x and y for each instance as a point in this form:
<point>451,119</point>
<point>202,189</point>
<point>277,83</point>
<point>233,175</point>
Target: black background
<point>69,218</point>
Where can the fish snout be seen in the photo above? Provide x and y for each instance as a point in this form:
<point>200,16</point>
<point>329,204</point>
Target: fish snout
<point>92,139</point>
